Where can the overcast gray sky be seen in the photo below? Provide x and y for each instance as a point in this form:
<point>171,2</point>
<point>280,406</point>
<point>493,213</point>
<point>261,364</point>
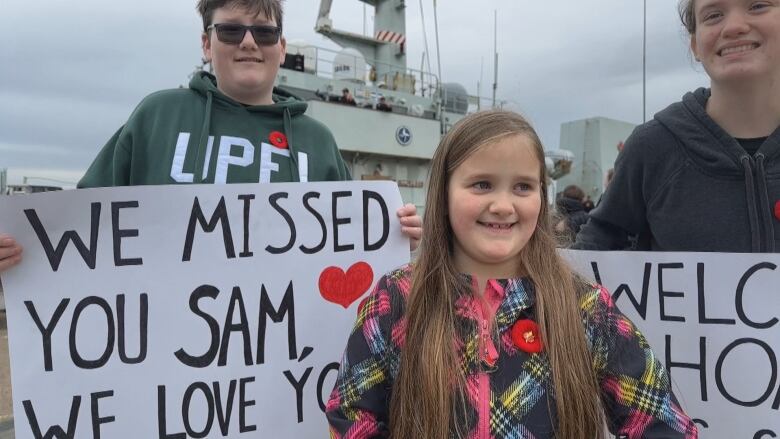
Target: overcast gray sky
<point>72,72</point>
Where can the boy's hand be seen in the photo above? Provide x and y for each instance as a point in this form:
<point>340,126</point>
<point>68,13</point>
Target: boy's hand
<point>10,252</point>
<point>411,224</point>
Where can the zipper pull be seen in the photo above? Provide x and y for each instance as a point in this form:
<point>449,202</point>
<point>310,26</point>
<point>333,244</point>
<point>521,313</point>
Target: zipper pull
<point>492,352</point>
<point>489,352</point>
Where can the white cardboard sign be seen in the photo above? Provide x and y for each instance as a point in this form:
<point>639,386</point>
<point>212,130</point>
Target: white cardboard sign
<point>713,320</point>
<point>190,311</point>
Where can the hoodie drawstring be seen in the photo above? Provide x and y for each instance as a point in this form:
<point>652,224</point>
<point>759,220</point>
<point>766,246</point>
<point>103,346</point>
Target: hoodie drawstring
<point>293,154</point>
<point>765,209</point>
<point>755,231</point>
<point>200,158</point>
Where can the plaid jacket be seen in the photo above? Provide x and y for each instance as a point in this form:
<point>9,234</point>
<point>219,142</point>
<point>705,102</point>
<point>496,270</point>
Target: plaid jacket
<point>513,398</point>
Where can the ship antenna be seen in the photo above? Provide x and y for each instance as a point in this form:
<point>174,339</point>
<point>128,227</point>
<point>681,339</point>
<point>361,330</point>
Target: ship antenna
<point>438,53</point>
<point>479,84</point>
<point>440,88</point>
<point>425,36</point>
<point>426,58</point>
<point>422,74</point>
<point>644,63</point>
<point>495,51</point>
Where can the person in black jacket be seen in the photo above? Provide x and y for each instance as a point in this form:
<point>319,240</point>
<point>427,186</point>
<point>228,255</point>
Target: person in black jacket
<point>704,174</point>
<point>571,207</point>
<point>382,105</point>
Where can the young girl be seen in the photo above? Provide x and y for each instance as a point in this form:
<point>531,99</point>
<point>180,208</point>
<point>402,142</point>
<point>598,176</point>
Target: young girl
<point>489,334</point>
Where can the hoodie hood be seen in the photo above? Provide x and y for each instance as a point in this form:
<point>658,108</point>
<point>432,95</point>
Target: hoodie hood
<point>204,83</point>
<point>285,106</point>
<point>704,141</point>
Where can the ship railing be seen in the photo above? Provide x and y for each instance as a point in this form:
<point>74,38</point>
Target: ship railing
<point>332,64</point>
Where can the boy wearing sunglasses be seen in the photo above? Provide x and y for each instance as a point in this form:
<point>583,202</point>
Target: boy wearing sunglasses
<point>230,127</point>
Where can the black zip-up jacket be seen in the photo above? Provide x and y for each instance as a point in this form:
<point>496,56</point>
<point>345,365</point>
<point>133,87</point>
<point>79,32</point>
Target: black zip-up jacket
<point>683,184</point>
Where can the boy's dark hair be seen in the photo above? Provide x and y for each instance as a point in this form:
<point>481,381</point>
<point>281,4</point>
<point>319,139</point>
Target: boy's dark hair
<point>269,8</point>
<point>574,192</point>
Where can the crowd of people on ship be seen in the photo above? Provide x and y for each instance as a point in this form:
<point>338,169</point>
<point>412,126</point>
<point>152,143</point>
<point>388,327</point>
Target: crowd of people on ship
<point>380,103</point>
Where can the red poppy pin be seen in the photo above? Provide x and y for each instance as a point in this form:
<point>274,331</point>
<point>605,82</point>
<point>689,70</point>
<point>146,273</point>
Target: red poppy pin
<point>278,139</point>
<point>525,335</point>
<point>777,210</point>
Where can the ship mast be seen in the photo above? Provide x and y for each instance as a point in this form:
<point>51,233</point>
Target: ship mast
<point>386,50</point>
<point>495,59</point>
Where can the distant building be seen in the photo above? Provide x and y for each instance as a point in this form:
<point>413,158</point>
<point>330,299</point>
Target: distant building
<point>595,143</point>
<point>24,189</point>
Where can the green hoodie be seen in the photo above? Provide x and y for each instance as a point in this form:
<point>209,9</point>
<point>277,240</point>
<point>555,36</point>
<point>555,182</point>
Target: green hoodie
<point>199,135</point>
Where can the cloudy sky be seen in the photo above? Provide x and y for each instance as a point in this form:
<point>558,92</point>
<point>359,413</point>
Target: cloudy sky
<point>72,72</point>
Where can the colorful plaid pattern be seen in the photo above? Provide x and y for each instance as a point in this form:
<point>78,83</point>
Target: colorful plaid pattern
<point>637,398</point>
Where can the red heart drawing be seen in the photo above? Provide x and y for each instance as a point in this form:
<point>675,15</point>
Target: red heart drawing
<point>345,288</point>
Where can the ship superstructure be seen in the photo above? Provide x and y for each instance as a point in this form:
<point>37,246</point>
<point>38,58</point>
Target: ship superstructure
<point>399,114</point>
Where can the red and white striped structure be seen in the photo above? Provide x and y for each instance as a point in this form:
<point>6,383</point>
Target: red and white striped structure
<point>391,37</point>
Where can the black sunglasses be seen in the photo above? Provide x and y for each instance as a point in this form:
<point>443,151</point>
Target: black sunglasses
<point>233,33</point>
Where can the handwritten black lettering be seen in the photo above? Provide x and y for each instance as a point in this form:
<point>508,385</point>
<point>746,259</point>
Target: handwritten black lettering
<point>118,234</point>
<point>88,254</point>
<point>220,217</point>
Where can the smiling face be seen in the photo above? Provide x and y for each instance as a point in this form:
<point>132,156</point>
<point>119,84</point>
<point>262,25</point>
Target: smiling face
<point>494,199</point>
<point>737,40</point>
<point>246,71</point>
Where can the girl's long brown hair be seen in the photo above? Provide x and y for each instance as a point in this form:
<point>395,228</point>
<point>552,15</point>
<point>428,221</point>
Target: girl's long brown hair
<point>427,395</point>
